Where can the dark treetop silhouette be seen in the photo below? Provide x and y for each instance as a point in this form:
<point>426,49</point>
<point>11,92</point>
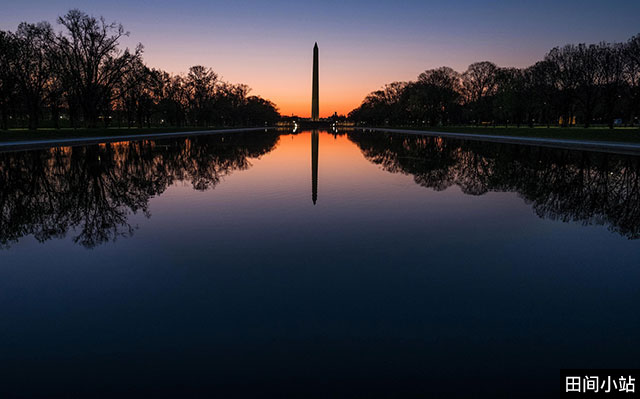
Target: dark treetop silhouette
<point>81,76</point>
<point>586,84</point>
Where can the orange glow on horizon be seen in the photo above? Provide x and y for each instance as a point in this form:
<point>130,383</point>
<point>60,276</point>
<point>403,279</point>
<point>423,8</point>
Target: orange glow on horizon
<point>286,80</point>
<point>302,107</point>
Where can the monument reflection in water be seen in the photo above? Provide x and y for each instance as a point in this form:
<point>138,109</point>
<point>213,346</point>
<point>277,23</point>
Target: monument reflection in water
<point>165,268</point>
<point>314,166</point>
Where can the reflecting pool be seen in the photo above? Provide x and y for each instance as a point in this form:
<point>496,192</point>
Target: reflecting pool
<point>314,264</point>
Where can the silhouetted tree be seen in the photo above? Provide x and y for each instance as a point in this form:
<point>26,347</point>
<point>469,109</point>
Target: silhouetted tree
<point>259,111</point>
<point>231,99</point>
<point>611,71</point>
<point>586,59</point>
<point>434,97</point>
<point>32,65</point>
<point>541,96</point>
<point>631,53</point>
<point>509,103</point>
<point>7,77</point>
<point>478,85</point>
<point>573,84</point>
<point>201,86</point>
<point>82,75</point>
<point>382,106</point>
<point>92,60</point>
<point>135,93</point>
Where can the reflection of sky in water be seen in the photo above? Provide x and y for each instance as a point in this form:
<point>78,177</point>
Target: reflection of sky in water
<point>249,287</point>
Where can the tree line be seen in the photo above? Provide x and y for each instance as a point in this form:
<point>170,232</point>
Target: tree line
<point>80,76</point>
<point>575,84</point>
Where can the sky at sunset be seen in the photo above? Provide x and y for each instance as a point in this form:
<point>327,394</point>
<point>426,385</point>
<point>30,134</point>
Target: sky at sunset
<point>363,44</point>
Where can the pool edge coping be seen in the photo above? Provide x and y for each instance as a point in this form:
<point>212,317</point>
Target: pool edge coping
<point>77,141</point>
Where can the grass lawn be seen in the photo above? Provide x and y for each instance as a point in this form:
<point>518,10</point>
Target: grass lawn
<point>622,134</point>
<point>50,134</point>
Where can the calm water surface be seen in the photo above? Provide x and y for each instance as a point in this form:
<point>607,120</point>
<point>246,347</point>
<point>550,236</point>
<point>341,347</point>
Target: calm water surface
<point>314,265</point>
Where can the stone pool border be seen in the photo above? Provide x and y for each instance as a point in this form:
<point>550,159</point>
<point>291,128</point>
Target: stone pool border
<point>583,145</point>
<point>39,144</point>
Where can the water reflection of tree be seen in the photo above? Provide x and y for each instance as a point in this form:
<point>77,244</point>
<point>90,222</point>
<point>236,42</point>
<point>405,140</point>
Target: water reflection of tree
<point>93,190</point>
<point>592,188</point>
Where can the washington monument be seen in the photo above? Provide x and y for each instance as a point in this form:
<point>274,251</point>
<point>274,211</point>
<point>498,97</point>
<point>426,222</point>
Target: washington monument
<point>315,117</point>
<point>315,114</point>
